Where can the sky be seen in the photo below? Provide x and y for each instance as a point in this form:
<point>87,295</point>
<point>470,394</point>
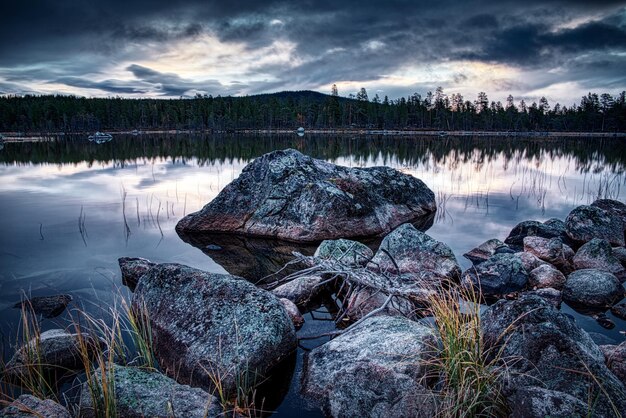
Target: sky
<point>171,48</point>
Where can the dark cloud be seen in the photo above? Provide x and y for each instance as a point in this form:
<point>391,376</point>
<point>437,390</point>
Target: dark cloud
<point>74,43</point>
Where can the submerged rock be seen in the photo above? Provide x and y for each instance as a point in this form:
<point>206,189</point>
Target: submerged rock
<point>377,369</point>
<point>546,351</point>
<point>499,275</point>
<point>56,350</point>
<point>204,324</point>
<point>592,288</point>
<point>598,254</point>
<point>552,228</point>
<point>552,251</point>
<point>351,253</point>
<point>141,393</point>
<point>546,276</point>
<point>46,306</point>
<point>288,195</point>
<point>27,406</point>
<point>585,223</point>
<point>486,250</point>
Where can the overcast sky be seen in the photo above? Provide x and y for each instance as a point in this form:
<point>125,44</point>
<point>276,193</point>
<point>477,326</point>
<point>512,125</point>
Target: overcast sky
<point>170,48</point>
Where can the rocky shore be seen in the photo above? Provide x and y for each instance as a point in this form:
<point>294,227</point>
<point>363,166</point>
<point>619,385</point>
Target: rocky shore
<point>216,336</point>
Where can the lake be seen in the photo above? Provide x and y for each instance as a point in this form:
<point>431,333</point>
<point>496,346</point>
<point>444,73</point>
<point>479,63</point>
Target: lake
<point>70,208</point>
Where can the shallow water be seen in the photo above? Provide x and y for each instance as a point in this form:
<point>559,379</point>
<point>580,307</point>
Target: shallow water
<point>69,208</point>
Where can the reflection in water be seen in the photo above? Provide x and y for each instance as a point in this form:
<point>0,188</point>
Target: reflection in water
<point>69,208</point>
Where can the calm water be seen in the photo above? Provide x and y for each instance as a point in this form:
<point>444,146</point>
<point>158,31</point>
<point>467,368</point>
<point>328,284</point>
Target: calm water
<point>70,208</point>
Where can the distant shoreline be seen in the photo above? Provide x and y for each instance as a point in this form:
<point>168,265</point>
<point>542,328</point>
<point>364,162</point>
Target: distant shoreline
<point>44,136</point>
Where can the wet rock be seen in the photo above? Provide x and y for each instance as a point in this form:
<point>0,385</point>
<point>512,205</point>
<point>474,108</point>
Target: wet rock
<point>619,311</point>
<point>592,288</point>
<point>46,306</point>
<point>499,275</point>
<point>351,253</point>
<point>132,270</point>
<point>58,351</point>
<point>300,291</point>
<point>485,250</point>
<point>551,353</point>
<point>288,195</point>
<point>616,207</point>
<point>615,356</point>
<point>538,402</point>
<point>293,312</point>
<point>598,254</point>
<point>204,323</point>
<point>553,228</point>
<point>27,406</point>
<point>552,251</point>
<point>411,252</point>
<point>530,261</point>
<point>553,296</point>
<point>376,369</point>
<point>546,276</point>
<point>141,393</point>
<point>604,321</point>
<point>585,223</point>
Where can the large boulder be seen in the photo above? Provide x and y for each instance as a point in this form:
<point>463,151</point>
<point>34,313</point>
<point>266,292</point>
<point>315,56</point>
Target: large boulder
<point>28,406</point>
<point>55,351</point>
<point>592,288</point>
<point>545,349</point>
<point>408,251</point>
<point>546,276</point>
<point>552,251</point>
<point>616,207</point>
<point>205,325</point>
<point>141,393</point>
<point>377,369</point>
<point>288,195</point>
<point>499,275</point>
<point>552,228</point>
<point>585,223</point>
<point>598,254</point>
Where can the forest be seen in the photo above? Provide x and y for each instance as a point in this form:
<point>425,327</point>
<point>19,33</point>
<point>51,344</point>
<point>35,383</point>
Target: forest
<point>311,110</point>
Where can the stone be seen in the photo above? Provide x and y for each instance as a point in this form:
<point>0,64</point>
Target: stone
<point>530,261</point>
<point>485,250</point>
<point>552,228</point>
<point>376,369</point>
<point>293,312</point>
<point>585,223</point>
<point>552,251</point>
<point>615,357</point>
<point>619,310</point>
<point>592,289</point>
<point>142,393</point>
<point>291,196</point>
<point>553,296</point>
<point>301,290</point>
<point>408,251</point>
<point>499,275</point>
<point>27,406</point>
<point>351,253</point>
<point>58,351</point>
<point>598,254</point>
<point>132,270</point>
<point>46,306</point>
<point>620,254</point>
<point>204,324</point>
<point>614,206</point>
<point>546,276</point>
<point>545,350</point>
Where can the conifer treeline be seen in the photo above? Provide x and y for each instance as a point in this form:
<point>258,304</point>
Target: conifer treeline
<point>289,110</point>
